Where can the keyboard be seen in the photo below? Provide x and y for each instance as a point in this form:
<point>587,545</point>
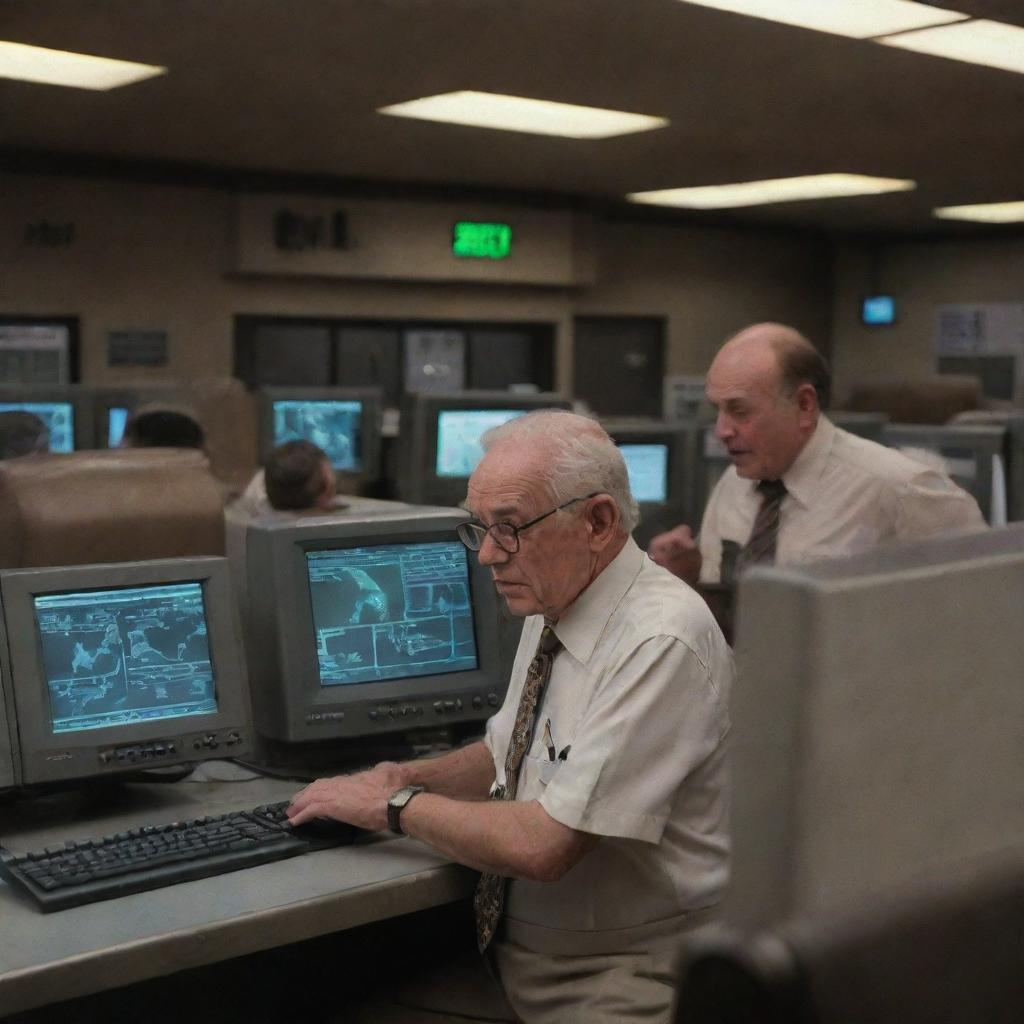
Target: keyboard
<point>88,870</point>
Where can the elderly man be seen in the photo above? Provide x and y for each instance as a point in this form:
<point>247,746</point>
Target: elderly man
<point>605,836</point>
<point>799,488</point>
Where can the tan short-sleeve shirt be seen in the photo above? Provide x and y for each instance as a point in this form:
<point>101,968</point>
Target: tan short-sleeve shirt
<point>629,744</point>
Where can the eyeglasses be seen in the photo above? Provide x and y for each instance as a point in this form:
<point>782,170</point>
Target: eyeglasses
<point>506,535</point>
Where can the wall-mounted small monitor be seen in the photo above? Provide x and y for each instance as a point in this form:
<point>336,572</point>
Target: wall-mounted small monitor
<point>439,438</point>
<point>659,456</point>
<point>344,422</point>
<point>121,667</point>
<point>878,310</point>
<point>65,409</point>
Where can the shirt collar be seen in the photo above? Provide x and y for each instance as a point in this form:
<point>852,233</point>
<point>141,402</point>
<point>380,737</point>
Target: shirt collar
<point>803,477</point>
<point>582,624</point>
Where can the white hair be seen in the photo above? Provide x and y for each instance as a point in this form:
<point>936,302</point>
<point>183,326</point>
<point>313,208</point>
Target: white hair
<point>583,458</point>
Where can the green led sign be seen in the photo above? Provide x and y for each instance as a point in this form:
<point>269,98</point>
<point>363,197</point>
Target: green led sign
<point>475,240</point>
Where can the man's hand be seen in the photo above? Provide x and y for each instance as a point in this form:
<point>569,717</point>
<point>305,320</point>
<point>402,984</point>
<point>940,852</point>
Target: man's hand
<point>358,799</point>
<point>677,551</point>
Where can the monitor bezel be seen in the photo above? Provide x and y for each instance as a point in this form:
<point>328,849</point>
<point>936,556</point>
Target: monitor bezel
<point>418,480</point>
<point>283,640</point>
<point>80,399</point>
<point>370,427</point>
<point>49,757</point>
<point>681,439</point>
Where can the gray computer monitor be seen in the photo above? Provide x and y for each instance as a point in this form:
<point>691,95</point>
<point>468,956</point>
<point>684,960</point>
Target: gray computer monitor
<point>878,721</point>
<point>439,439</point>
<point>66,409</point>
<point>974,456</point>
<point>359,626</point>
<point>116,668</point>
<point>344,422</point>
<point>660,457</point>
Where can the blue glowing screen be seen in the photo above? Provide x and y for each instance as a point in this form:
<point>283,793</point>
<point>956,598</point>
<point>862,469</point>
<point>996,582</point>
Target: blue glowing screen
<point>647,466</point>
<point>391,611</point>
<point>116,420</point>
<point>125,656</point>
<point>335,426</point>
<point>458,437</point>
<point>59,418</point>
<point>879,309</point>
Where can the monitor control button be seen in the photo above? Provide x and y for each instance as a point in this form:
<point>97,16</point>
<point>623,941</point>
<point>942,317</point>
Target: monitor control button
<point>373,716</point>
<point>492,699</point>
<point>478,702</point>
<point>438,707</point>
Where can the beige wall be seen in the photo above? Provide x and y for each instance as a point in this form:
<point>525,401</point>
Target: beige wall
<point>159,257</point>
<point>921,275</point>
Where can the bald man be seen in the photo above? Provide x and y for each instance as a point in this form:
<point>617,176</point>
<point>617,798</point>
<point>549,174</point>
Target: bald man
<point>799,488</point>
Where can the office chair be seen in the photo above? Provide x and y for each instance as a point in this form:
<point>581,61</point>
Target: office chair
<point>945,953</point>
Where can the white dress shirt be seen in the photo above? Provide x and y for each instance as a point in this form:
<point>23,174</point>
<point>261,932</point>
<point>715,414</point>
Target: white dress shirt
<point>629,744</point>
<point>845,494</point>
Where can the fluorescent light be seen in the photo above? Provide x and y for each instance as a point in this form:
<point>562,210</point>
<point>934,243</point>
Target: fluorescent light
<point>986,213</point>
<point>518,114</point>
<point>858,19</point>
<point>78,70</point>
<point>990,43</point>
<point>774,190</point>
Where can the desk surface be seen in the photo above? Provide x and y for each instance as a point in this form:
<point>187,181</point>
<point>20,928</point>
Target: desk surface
<point>46,958</point>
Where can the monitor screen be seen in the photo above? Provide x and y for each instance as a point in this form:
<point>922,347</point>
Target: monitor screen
<point>336,426</point>
<point>392,611</point>
<point>59,418</point>
<point>133,654</point>
<point>878,310</point>
<point>458,437</point>
<point>125,666</point>
<point>647,466</point>
<point>117,418</point>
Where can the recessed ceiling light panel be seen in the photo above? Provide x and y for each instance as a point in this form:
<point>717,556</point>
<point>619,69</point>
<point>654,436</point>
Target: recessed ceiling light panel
<point>77,70</point>
<point>519,114</point>
<point>985,213</point>
<point>774,190</point>
<point>858,19</point>
<point>990,43</point>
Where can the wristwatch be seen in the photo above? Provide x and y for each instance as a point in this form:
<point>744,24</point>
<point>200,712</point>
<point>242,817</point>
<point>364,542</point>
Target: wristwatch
<point>396,804</point>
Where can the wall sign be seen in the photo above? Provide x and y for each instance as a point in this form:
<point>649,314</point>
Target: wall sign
<point>137,348</point>
<point>476,240</point>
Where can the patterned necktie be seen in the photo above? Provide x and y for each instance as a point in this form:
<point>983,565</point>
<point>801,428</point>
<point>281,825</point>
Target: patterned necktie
<point>761,546</point>
<point>490,890</point>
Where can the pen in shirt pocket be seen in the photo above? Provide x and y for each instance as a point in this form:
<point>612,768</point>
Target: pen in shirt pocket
<point>549,741</point>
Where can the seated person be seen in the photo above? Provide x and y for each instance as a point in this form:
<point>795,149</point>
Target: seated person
<point>596,805</point>
<point>163,427</point>
<point>297,477</point>
<point>800,488</point>
<point>22,433</point>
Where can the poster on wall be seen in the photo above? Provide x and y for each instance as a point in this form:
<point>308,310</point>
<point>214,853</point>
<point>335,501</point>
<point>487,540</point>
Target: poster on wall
<point>35,354</point>
<point>983,340</point>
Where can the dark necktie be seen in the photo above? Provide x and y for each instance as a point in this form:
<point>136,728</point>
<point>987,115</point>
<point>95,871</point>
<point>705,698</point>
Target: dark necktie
<point>490,890</point>
<point>761,546</point>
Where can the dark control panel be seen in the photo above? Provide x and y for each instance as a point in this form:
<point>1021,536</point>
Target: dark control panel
<point>412,714</point>
<point>154,752</point>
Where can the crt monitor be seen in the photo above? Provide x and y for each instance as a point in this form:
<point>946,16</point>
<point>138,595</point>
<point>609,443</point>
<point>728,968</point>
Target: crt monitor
<point>65,409</point>
<point>364,625</point>
<point>123,667</point>
<point>659,457</point>
<point>439,438</point>
<point>345,422</point>
<point>112,408</point>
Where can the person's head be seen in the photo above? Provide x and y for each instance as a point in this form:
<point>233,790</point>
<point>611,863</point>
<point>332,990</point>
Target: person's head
<point>298,475</point>
<point>22,433</point>
<point>162,427</point>
<point>563,471</point>
<point>769,384</point>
